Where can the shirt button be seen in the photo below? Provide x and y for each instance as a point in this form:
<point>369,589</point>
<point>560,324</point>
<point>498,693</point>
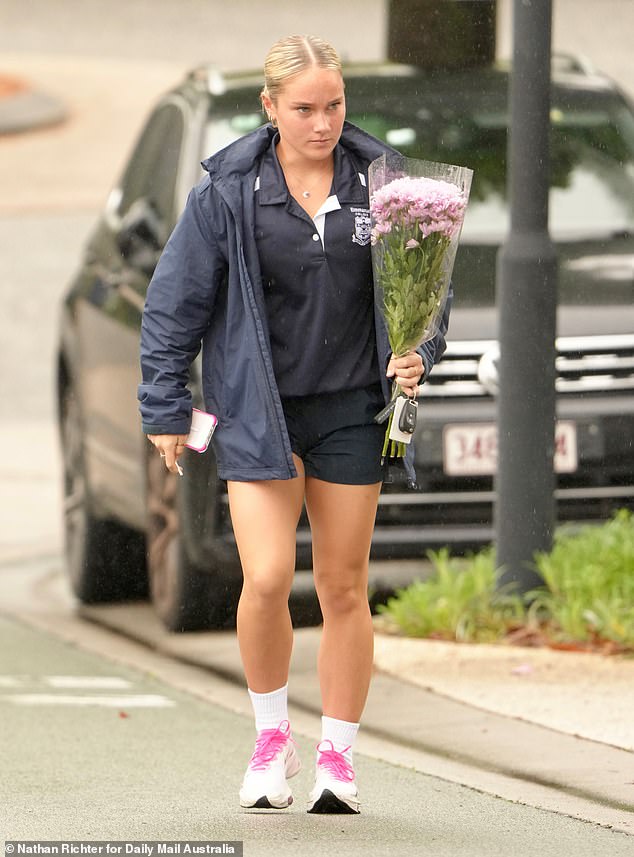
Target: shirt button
<point>315,237</point>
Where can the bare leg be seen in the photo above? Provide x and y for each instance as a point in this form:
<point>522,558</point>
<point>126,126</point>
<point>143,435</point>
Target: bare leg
<point>342,520</point>
<point>265,516</point>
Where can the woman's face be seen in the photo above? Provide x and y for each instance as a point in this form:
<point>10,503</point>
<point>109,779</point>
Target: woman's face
<point>310,111</point>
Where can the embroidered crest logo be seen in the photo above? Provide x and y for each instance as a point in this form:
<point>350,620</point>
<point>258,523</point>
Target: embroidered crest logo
<point>362,226</point>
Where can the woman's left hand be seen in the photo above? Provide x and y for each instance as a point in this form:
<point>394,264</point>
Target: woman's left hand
<point>407,372</point>
<point>170,447</point>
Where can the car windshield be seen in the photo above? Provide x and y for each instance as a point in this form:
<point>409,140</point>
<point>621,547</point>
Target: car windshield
<point>592,160</point>
<point>464,121</point>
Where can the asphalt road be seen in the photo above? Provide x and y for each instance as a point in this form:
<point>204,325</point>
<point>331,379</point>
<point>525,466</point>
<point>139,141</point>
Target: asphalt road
<point>93,748</point>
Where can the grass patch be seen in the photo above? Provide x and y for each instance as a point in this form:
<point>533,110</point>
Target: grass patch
<point>587,600</point>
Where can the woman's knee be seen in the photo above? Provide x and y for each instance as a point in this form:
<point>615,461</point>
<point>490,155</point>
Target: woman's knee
<point>268,585</point>
<point>339,596</point>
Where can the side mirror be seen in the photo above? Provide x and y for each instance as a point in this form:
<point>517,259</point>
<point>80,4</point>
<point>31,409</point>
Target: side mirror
<point>142,236</point>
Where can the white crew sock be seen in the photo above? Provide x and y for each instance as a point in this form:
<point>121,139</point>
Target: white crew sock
<point>342,733</point>
<point>270,709</point>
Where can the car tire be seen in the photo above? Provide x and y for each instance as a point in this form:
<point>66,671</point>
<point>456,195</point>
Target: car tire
<point>105,560</point>
<point>189,587</point>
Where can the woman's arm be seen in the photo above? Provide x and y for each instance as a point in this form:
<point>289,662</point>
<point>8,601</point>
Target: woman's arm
<point>177,311</point>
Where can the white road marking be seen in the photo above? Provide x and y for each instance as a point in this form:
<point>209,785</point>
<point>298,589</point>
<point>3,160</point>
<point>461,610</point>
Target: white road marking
<point>13,680</point>
<point>81,683</point>
<point>130,701</point>
<point>89,682</point>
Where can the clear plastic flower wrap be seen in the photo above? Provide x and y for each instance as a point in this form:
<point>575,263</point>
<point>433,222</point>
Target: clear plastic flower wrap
<point>417,210</point>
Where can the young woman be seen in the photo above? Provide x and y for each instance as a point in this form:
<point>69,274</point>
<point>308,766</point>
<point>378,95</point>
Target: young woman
<point>269,267</point>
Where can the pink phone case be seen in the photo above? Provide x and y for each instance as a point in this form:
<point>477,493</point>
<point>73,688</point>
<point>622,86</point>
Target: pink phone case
<point>202,428</point>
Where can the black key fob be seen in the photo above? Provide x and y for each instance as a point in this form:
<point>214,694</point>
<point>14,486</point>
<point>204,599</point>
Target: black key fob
<point>407,418</point>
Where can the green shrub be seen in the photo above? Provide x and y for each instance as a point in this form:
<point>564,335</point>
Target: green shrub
<point>587,597</point>
<point>589,584</point>
<point>460,601</point>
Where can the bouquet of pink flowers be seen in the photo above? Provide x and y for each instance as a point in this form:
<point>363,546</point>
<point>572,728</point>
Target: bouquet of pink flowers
<point>417,210</point>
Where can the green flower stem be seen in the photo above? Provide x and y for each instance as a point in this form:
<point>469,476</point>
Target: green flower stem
<point>392,448</point>
<point>411,281</point>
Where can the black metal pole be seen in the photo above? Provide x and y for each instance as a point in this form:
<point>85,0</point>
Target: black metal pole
<point>527,281</point>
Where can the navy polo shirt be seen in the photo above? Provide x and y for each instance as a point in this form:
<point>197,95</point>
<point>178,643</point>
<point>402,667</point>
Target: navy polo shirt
<point>318,288</point>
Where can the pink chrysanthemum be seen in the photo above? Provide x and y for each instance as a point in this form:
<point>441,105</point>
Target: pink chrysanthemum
<point>432,204</point>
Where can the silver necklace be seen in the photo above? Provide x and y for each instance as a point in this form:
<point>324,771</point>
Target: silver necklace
<point>307,193</point>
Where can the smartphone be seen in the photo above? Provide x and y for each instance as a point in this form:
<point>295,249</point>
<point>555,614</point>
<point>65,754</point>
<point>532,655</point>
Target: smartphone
<point>202,428</point>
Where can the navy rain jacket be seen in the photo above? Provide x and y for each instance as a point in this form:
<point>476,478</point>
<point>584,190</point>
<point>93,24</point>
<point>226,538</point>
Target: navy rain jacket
<point>207,291</point>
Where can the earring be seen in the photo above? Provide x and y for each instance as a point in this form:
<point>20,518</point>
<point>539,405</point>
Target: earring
<point>273,121</point>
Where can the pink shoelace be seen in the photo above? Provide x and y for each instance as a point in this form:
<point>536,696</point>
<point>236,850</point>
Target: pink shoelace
<point>335,762</point>
<point>268,744</point>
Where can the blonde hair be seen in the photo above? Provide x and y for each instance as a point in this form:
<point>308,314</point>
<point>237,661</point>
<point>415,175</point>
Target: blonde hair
<point>293,55</point>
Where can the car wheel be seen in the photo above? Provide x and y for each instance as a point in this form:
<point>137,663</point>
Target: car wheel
<point>104,559</point>
<point>187,590</point>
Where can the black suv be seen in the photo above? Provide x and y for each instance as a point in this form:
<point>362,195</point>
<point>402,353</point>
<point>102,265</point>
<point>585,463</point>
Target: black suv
<point>128,521</point>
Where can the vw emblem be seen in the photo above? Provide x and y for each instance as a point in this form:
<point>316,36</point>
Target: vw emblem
<point>488,370</point>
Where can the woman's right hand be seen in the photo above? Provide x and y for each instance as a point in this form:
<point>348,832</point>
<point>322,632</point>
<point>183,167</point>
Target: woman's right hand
<point>170,447</point>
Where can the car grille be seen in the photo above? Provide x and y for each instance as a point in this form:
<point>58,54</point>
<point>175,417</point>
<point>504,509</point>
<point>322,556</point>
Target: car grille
<point>592,364</point>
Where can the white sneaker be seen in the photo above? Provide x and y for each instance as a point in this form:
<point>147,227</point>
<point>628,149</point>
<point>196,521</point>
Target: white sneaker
<point>274,760</point>
<point>335,788</point>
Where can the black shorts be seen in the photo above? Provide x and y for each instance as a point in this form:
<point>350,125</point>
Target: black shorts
<point>335,435</point>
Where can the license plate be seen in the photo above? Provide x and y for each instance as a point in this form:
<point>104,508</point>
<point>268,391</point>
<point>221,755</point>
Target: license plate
<point>471,449</point>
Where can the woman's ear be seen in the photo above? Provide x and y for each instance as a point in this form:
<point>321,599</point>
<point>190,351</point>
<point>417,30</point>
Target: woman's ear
<point>267,106</point>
